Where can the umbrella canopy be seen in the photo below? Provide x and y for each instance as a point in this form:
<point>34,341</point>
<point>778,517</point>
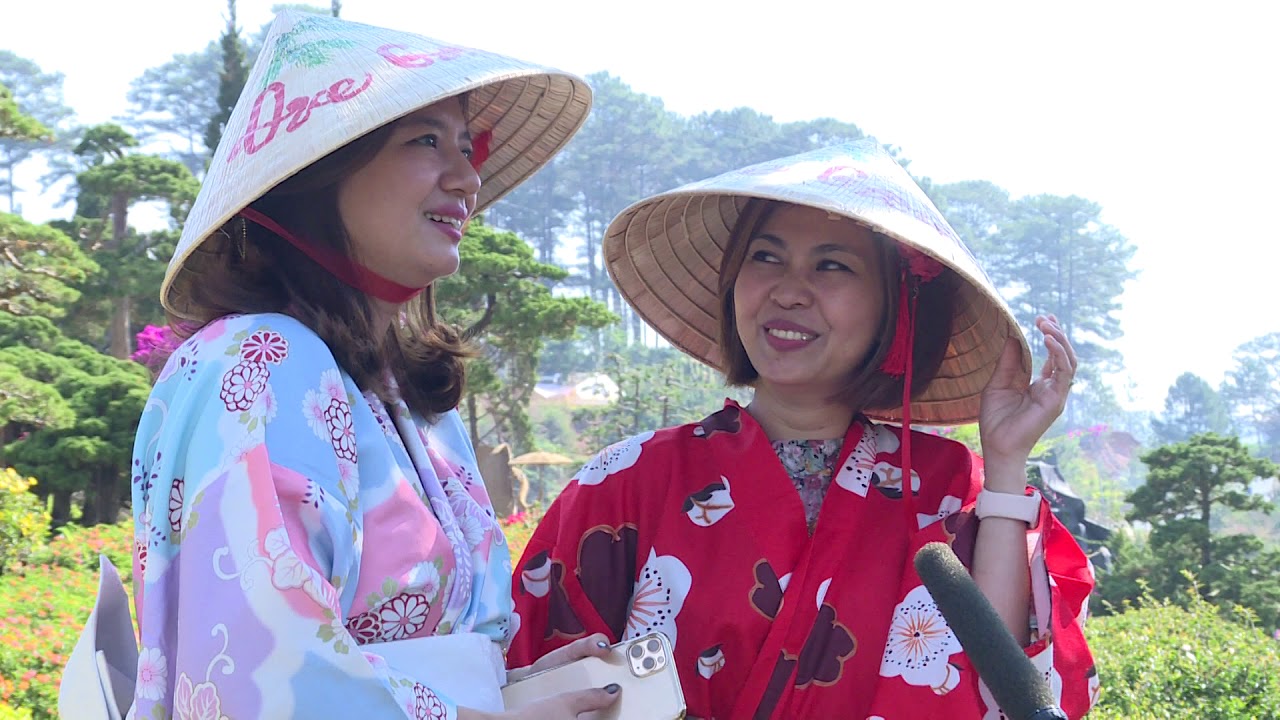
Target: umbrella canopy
<point>541,457</point>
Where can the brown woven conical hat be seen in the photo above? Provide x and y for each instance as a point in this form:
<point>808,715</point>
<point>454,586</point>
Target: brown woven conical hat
<point>321,82</point>
<point>664,255</point>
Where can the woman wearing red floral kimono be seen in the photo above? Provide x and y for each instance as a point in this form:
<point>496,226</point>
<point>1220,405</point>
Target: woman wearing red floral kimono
<point>773,543</point>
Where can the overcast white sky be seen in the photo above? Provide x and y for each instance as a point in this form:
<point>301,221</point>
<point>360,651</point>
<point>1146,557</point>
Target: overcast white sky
<point>1167,114</point>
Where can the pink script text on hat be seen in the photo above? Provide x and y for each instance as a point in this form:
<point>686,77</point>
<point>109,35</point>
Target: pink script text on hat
<point>841,171</point>
<point>418,59</point>
<point>897,201</point>
<point>296,111</point>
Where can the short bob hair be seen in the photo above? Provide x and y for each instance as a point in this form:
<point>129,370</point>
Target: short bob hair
<point>868,388</point>
<point>245,268</point>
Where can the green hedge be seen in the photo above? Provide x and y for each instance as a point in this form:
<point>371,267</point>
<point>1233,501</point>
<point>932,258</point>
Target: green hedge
<point>1158,660</point>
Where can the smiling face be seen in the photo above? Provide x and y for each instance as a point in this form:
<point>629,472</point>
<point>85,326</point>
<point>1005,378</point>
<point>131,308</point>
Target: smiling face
<point>808,301</point>
<point>404,211</point>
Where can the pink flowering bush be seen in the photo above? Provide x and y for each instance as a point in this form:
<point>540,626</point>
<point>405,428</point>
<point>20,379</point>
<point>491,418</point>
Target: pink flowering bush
<point>155,344</point>
<point>518,528</point>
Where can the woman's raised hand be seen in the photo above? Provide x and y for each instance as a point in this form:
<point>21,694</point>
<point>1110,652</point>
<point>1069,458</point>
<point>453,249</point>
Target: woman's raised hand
<point>1017,411</point>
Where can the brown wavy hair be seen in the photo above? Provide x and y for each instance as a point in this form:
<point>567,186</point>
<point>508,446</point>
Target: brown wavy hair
<point>868,388</point>
<point>244,268</point>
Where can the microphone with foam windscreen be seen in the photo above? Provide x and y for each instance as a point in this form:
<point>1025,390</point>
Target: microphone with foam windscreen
<point>1018,688</point>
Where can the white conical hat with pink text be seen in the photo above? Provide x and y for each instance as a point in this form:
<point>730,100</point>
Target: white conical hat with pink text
<point>321,82</point>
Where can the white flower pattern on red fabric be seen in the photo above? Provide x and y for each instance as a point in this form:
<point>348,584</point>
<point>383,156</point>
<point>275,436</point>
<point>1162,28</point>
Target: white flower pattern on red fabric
<point>403,615</point>
<point>509,627</point>
<point>1043,661</point>
<point>242,384</point>
<point>536,578</point>
<point>886,440</point>
<point>711,661</point>
<point>920,644</point>
<point>887,478</point>
<point>949,506</point>
<point>426,704</point>
<point>618,456</point>
<point>855,474</point>
<point>658,597</point>
<point>711,504</point>
<point>821,595</point>
<point>265,346</point>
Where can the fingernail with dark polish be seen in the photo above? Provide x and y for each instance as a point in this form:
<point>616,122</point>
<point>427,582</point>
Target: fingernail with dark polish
<point>612,688</point>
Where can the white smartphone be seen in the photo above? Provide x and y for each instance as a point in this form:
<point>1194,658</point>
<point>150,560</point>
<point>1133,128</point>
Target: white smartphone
<point>643,667</point>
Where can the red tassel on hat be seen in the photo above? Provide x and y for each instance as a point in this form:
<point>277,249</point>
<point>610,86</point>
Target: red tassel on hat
<point>917,268</point>
<point>895,363</point>
<point>922,266</point>
<point>917,265</point>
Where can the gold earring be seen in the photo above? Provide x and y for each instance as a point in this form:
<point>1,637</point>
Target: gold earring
<point>244,238</point>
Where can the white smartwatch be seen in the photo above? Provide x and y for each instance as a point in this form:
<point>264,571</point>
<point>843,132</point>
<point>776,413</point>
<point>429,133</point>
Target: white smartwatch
<point>1008,505</point>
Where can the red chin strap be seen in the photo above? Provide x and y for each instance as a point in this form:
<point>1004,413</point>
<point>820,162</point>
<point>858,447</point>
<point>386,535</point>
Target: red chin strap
<point>348,271</point>
<point>917,268</point>
<point>480,149</point>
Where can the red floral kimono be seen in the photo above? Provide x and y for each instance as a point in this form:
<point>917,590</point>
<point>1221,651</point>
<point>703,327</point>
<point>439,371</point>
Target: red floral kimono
<point>698,532</point>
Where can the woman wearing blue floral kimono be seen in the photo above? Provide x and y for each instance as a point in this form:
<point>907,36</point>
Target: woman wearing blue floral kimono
<point>313,537</point>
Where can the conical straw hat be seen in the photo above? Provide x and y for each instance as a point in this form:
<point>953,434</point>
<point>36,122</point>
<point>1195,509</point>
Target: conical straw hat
<point>664,255</point>
<point>321,82</point>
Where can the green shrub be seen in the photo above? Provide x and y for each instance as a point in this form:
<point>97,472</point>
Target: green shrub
<point>1159,660</point>
<point>24,521</point>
